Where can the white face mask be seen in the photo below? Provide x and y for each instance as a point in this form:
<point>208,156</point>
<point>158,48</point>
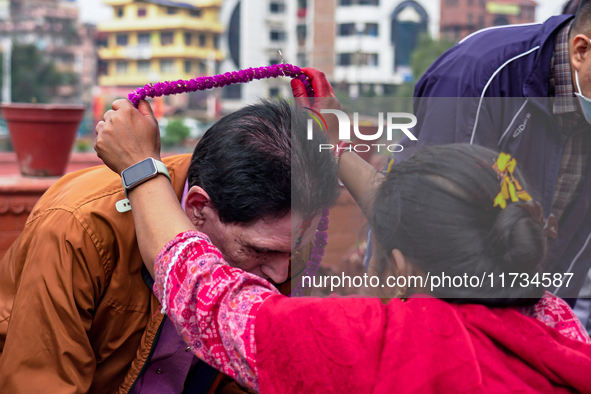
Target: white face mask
<point>585,102</point>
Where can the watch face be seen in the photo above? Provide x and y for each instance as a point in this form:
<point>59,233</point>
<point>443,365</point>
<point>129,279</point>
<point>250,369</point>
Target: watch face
<point>138,172</point>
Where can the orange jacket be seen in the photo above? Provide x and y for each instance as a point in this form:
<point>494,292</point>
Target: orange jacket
<point>75,313</point>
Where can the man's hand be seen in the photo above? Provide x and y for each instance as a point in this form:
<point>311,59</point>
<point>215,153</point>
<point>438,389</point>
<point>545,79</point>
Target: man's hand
<point>127,135</point>
<point>324,98</point>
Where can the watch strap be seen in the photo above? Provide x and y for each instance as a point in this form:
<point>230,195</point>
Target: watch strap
<point>160,169</point>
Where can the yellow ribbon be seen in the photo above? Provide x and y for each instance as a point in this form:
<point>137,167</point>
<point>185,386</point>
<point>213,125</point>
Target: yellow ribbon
<point>511,189</point>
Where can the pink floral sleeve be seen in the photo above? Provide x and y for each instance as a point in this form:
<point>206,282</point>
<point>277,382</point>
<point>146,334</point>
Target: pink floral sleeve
<point>556,313</point>
<point>212,305</point>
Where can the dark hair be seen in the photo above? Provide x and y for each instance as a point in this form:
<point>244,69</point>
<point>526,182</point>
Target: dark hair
<point>582,19</point>
<point>437,209</point>
<point>570,7</point>
<point>257,163</point>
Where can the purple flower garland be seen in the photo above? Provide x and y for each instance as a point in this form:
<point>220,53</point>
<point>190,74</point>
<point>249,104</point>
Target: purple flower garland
<point>243,76</point>
<point>320,242</point>
<point>217,81</point>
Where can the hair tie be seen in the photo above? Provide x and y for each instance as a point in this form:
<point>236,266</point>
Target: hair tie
<point>510,187</point>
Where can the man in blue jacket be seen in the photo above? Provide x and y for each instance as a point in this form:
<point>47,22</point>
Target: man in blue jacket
<point>513,89</point>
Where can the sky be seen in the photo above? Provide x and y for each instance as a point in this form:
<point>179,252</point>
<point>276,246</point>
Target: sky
<point>94,11</point>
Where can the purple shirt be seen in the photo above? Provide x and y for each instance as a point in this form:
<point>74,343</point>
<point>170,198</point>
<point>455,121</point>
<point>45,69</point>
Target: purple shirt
<point>171,361</point>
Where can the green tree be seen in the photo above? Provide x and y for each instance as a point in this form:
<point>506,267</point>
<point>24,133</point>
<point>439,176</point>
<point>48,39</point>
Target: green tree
<point>176,133</point>
<point>427,51</point>
<point>33,78</point>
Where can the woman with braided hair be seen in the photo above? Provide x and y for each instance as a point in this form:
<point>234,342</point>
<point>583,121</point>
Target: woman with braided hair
<point>456,210</point>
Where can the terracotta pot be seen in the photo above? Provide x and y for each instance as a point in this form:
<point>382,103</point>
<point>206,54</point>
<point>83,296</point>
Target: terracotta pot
<point>42,135</point>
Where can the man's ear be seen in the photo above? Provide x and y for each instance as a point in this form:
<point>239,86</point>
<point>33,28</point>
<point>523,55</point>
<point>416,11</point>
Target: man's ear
<point>580,47</point>
<point>197,200</point>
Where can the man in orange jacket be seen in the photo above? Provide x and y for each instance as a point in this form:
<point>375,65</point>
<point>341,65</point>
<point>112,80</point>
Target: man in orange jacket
<point>77,313</point>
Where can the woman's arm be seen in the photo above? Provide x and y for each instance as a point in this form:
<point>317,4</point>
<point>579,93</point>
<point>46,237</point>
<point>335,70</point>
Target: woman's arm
<point>212,305</point>
<point>361,180</point>
<point>125,137</point>
<point>359,177</point>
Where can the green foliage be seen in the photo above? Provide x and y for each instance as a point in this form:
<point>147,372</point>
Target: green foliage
<point>176,133</point>
<point>83,145</point>
<point>34,79</point>
<point>428,50</point>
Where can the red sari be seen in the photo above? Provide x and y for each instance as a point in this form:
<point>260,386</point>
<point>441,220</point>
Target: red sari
<point>238,323</point>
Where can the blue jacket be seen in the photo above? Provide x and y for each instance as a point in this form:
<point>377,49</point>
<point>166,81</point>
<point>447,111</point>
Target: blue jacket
<point>458,100</point>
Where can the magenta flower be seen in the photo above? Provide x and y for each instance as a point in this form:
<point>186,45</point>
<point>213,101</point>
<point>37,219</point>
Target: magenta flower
<point>218,81</point>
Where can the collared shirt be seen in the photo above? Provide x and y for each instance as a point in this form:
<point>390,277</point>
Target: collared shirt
<point>575,131</point>
<point>172,360</point>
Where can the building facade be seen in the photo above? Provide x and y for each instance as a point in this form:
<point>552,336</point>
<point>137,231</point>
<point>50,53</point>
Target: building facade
<point>53,27</point>
<point>375,39</point>
<point>258,33</point>
<point>158,40</point>
<point>359,44</point>
<point>459,18</point>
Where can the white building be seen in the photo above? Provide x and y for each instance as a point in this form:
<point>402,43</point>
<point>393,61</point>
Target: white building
<point>358,43</point>
<point>255,31</point>
<point>376,37</point>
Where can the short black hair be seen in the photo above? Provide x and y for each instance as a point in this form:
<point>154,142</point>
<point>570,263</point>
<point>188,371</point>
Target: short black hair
<point>582,21</point>
<point>257,163</point>
<point>437,209</point>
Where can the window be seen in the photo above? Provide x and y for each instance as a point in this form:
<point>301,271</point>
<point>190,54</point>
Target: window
<point>188,39</point>
<point>276,7</point>
<point>122,40</point>
<point>143,39</point>
<point>346,29</point>
<point>232,91</point>
<point>103,68</point>
<point>368,59</point>
<point>171,10</point>
<point>102,42</point>
<point>359,2</point>
<point>202,68</point>
<point>188,67</point>
<point>470,20</point>
<point>357,59</point>
<point>167,66</point>
<point>371,29</point>
<point>121,67</point>
<point>195,13</point>
<point>202,40</point>
<point>273,92</point>
<point>141,12</point>
<point>143,66</point>
<point>216,41</point>
<point>470,2</point>
<point>301,33</point>
<point>344,59</point>
<point>277,36</point>
<point>166,38</point>
<point>302,60</point>
<point>119,12</point>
